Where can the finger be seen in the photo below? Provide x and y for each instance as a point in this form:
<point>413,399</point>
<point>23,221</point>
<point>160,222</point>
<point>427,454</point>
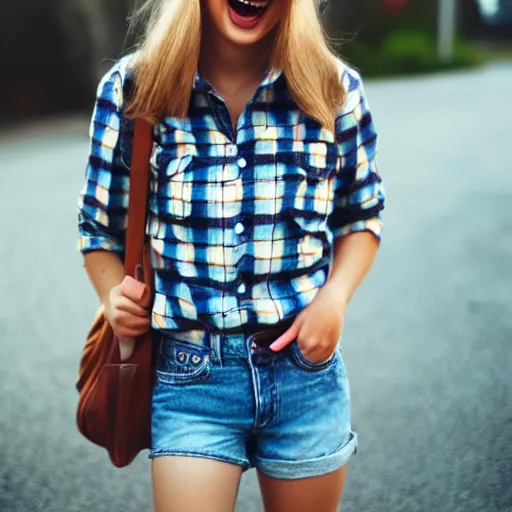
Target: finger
<point>129,306</point>
<point>126,349</point>
<point>285,339</point>
<point>134,290</point>
<point>131,329</point>
<point>123,334</point>
<point>132,322</point>
<point>137,322</point>
<point>126,334</point>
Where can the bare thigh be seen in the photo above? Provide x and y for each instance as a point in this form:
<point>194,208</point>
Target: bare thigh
<point>194,484</point>
<point>318,494</point>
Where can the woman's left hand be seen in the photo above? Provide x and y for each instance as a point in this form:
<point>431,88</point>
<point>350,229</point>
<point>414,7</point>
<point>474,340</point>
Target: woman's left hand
<point>318,327</point>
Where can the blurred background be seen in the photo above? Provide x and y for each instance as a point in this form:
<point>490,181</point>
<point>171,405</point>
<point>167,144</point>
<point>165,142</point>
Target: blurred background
<point>428,337</point>
<point>54,52</point>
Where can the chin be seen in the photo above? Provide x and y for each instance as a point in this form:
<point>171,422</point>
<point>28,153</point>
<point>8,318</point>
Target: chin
<point>247,22</point>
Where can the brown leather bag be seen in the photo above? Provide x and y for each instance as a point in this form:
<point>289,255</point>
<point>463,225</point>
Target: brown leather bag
<point>114,409</point>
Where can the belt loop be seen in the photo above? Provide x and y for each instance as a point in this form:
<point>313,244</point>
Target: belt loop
<point>216,347</point>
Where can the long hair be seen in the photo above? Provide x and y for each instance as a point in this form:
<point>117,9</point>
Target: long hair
<point>166,61</point>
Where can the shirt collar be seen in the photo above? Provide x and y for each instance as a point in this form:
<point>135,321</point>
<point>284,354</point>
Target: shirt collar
<point>271,77</point>
<point>200,84</point>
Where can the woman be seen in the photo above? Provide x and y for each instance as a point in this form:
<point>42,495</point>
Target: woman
<point>264,218</point>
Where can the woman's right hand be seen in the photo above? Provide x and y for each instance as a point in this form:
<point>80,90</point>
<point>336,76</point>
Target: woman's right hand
<point>128,319</point>
<point>126,300</point>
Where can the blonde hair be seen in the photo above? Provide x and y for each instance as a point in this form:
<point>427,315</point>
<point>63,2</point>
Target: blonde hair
<point>166,61</point>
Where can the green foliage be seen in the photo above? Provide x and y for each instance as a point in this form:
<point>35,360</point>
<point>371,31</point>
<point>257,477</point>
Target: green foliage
<point>403,44</point>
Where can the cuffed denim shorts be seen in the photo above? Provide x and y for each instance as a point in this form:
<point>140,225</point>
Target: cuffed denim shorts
<point>216,398</point>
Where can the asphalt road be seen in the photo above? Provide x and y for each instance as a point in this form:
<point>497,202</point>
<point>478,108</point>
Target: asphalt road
<point>428,340</point>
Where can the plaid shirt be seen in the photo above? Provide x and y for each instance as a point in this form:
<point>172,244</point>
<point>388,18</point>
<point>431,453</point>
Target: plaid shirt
<point>241,222</point>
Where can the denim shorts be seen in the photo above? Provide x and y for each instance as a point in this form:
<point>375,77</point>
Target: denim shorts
<point>216,398</point>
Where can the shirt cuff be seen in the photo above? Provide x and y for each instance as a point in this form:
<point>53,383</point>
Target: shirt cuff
<point>97,243</point>
<point>374,226</point>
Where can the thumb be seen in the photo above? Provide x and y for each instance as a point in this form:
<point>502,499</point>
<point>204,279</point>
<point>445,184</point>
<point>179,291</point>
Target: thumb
<point>289,336</point>
<point>135,290</point>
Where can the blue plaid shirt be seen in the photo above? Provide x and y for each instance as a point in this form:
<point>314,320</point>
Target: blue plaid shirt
<point>241,222</point>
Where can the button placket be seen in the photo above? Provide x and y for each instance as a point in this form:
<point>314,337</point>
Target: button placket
<point>231,151</point>
<point>240,228</point>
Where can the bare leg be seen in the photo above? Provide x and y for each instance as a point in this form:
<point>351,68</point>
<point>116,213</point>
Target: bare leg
<point>194,484</point>
<point>318,494</point>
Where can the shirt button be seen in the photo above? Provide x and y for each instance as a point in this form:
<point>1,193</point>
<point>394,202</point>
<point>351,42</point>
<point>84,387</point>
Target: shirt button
<point>239,228</point>
<point>241,288</point>
<point>242,163</point>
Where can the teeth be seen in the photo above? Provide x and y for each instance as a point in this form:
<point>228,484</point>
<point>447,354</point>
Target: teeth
<point>260,5</point>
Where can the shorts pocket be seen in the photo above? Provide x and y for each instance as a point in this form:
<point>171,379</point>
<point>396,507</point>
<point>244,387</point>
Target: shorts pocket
<point>182,363</point>
<point>304,363</point>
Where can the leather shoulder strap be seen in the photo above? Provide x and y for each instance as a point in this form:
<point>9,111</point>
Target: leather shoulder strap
<point>138,197</point>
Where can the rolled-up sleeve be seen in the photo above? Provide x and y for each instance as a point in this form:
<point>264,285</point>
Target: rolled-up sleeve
<point>103,201</point>
<point>359,191</point>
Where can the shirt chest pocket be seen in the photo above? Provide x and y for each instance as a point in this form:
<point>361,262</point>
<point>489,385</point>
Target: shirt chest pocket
<point>313,173</point>
<point>175,186</point>
<point>191,185</point>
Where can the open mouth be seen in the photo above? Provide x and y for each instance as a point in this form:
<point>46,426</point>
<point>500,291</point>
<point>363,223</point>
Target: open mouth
<point>247,13</point>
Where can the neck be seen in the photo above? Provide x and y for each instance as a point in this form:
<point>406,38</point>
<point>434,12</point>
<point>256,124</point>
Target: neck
<point>229,67</point>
